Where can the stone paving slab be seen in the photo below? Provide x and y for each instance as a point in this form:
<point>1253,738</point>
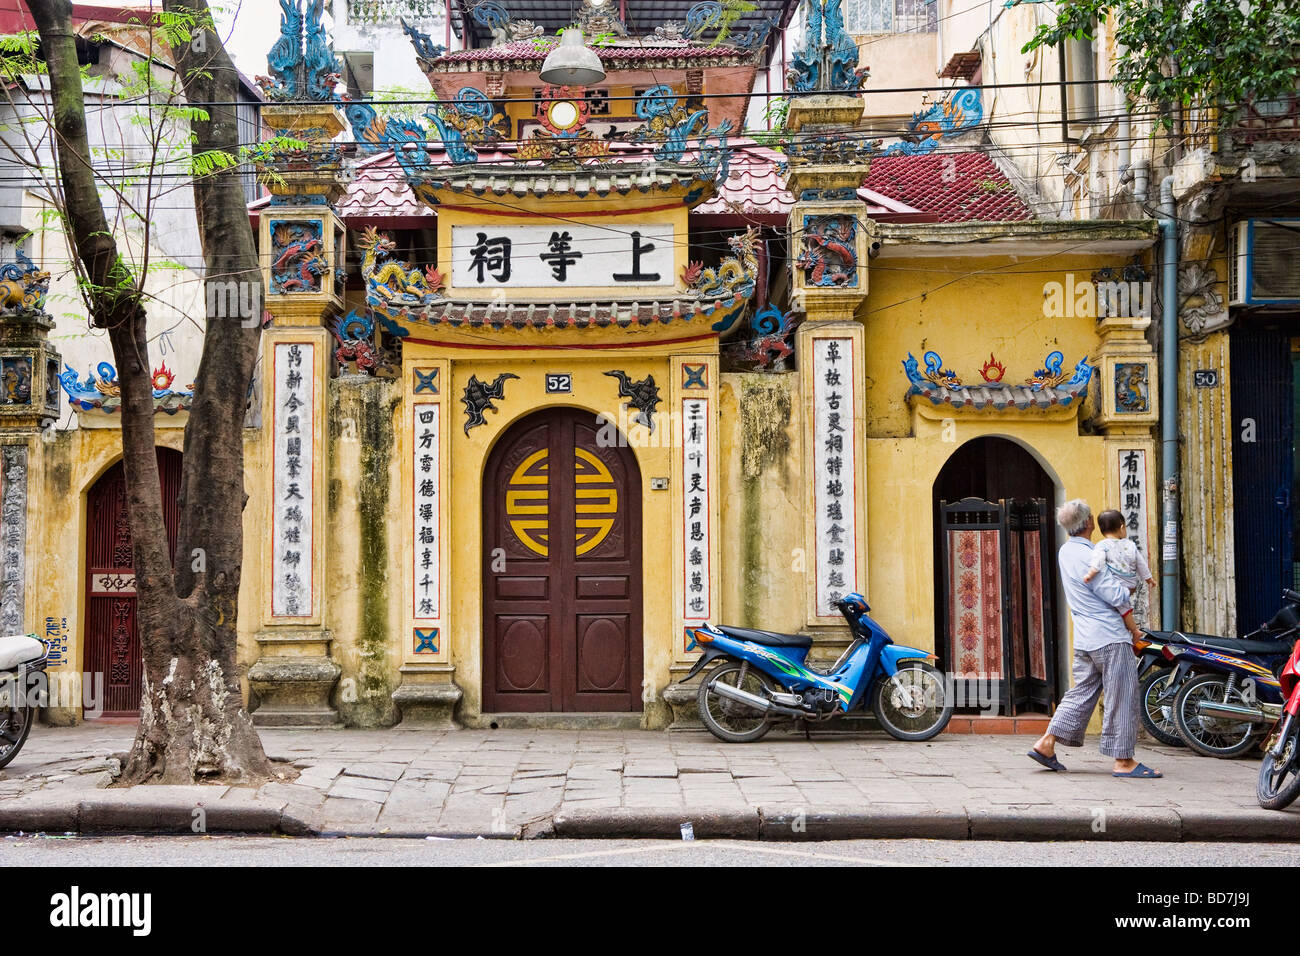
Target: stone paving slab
<point>513,783</point>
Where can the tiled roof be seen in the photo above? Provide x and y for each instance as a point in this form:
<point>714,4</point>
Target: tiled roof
<point>568,315</point>
<point>956,187</point>
<point>897,188</point>
<point>999,396</point>
<point>527,50</point>
<point>755,187</point>
<point>599,180</point>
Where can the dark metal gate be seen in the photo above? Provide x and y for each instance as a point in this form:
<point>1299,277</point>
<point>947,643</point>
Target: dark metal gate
<point>1262,471</point>
<point>112,637</point>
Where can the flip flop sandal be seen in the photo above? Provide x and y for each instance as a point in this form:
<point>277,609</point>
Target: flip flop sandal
<point>1140,772</point>
<point>1051,763</point>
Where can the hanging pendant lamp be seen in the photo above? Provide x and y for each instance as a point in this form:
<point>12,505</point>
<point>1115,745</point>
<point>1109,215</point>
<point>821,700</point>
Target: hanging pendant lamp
<point>571,63</point>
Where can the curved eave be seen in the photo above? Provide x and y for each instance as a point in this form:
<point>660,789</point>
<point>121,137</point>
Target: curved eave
<point>597,182</point>
<point>671,317</point>
<point>991,398</point>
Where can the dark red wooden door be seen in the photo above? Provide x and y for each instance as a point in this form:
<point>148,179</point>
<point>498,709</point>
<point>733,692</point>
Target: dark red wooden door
<point>561,569</point>
<point>112,639</point>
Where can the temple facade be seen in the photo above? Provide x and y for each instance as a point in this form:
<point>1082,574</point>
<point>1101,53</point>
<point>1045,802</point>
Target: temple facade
<point>559,371</point>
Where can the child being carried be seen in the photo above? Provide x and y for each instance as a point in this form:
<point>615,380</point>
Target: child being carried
<point>1117,554</point>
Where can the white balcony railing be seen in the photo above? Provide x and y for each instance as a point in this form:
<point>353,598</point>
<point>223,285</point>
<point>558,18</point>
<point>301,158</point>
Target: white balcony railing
<point>390,11</point>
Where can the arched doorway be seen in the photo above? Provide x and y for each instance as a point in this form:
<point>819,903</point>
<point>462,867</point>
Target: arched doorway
<point>112,638</point>
<point>995,577</point>
<point>561,569</point>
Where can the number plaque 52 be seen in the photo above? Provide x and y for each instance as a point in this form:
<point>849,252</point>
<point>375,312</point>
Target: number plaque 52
<point>559,383</point>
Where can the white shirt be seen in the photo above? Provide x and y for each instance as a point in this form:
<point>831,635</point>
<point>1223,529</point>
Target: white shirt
<point>1095,606</point>
<point>1122,557</point>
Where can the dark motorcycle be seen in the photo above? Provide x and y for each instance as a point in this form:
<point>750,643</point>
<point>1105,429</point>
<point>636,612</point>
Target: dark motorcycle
<point>22,673</point>
<point>1156,690</point>
<point>1226,690</point>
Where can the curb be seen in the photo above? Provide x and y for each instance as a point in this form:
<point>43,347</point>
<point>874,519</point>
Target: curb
<point>158,817</point>
<point>634,823</point>
<point>145,814</point>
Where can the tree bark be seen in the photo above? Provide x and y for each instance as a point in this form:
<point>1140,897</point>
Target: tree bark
<point>192,721</point>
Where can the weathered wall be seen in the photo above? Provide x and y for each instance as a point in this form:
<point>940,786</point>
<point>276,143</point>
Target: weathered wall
<point>764,495</point>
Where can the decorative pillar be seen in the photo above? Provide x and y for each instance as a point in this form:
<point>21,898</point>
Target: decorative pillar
<point>830,240</point>
<point>428,694</point>
<point>29,402</point>
<point>1123,406</point>
<point>302,243</point>
<point>696,505</point>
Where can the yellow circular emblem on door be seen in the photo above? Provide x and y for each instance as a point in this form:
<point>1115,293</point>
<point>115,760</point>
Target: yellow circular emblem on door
<point>528,500</point>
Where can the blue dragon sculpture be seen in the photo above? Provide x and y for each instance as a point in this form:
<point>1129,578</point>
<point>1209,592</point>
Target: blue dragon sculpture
<point>302,61</point>
<point>470,119</point>
<point>828,63</point>
<point>960,110</point>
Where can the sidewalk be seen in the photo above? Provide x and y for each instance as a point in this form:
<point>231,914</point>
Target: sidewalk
<point>529,783</point>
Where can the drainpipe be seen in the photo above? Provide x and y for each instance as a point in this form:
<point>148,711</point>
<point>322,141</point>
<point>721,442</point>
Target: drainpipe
<point>1170,597</point>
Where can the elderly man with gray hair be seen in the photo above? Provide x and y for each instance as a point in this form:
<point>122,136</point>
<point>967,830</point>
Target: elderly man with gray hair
<point>1103,656</point>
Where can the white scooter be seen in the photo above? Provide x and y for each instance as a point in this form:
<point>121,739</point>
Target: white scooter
<point>22,684</point>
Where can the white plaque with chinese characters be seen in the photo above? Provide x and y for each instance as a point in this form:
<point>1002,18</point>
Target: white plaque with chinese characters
<point>425,511</point>
<point>1133,495</point>
<point>564,255</point>
<point>293,487</point>
<point>834,464</point>
<point>696,597</point>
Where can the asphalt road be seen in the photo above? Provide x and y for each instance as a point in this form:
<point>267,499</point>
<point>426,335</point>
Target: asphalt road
<point>356,852</point>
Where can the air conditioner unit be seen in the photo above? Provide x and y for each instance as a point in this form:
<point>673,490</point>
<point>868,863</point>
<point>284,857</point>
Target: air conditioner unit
<point>1264,262</point>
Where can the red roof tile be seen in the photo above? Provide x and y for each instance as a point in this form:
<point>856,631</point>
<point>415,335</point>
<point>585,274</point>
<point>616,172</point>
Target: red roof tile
<point>902,188</point>
<point>957,187</point>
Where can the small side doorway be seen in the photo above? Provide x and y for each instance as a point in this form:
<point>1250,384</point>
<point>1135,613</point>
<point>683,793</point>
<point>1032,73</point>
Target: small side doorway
<point>995,578</point>
<point>112,637</point>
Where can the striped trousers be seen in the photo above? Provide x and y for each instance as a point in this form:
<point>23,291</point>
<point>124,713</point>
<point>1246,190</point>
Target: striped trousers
<point>1112,669</point>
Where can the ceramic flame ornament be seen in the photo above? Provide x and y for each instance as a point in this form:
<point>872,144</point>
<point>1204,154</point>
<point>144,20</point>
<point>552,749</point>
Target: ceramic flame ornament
<point>993,370</point>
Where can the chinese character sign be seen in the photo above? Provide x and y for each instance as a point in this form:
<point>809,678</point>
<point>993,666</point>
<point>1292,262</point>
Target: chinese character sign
<point>1133,506</point>
<point>566,254</point>
<point>293,485</point>
<point>696,533</point>
<point>1133,495</point>
<point>834,459</point>
<point>426,492</point>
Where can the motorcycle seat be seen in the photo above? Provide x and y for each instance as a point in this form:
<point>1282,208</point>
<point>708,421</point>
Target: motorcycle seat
<point>770,638</point>
<point>18,650</point>
<point>1235,645</point>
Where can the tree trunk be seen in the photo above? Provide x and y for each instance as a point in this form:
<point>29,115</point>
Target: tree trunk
<point>192,721</point>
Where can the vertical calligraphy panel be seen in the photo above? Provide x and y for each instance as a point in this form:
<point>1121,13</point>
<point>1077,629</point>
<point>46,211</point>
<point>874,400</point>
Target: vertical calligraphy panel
<point>426,514</point>
<point>695,495</point>
<point>13,539</point>
<point>696,506</point>
<point>294,464</point>
<point>835,529</point>
<point>1131,492</point>
<point>425,483</point>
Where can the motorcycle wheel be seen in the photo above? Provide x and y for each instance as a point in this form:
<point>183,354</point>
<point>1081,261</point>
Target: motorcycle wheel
<point>1158,721</point>
<point>1279,777</point>
<point>919,709</point>
<point>15,725</point>
<point>1212,736</point>
<point>730,720</point>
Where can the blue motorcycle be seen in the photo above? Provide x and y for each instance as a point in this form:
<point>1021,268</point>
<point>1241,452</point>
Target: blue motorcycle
<point>764,677</point>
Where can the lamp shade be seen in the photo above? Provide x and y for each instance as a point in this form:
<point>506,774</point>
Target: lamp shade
<point>571,63</point>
